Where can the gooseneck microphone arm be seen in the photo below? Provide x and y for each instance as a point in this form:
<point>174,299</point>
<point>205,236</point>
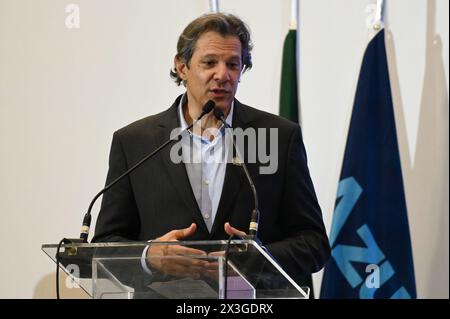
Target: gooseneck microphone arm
<point>254,220</point>
<point>87,217</point>
<point>207,108</point>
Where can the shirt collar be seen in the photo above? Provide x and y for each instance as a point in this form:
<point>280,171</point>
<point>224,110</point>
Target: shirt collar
<point>184,125</point>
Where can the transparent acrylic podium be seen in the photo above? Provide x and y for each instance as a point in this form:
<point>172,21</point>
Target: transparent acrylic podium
<point>118,271</point>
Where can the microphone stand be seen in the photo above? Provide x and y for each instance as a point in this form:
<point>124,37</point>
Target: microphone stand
<point>254,220</point>
<point>207,108</point>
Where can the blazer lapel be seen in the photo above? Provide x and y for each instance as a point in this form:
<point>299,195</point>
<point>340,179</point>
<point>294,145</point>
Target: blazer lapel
<point>234,177</point>
<point>177,171</point>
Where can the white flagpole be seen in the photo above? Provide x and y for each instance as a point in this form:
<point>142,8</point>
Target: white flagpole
<point>294,25</point>
<point>294,15</point>
<point>378,22</point>
<point>214,5</point>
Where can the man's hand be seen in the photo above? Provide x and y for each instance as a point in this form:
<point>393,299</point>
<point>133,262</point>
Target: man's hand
<point>174,259</point>
<point>233,231</point>
<point>211,269</point>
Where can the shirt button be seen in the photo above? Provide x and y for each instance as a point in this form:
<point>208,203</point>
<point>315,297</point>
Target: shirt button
<point>206,215</point>
<point>207,181</point>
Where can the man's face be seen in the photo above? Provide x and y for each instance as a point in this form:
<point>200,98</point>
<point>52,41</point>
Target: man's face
<point>214,70</point>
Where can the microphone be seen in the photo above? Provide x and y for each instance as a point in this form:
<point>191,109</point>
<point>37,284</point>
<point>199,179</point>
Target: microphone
<point>254,221</point>
<point>207,108</point>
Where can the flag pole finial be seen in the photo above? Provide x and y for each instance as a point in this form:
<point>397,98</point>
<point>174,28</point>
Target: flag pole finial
<point>214,6</point>
<point>294,15</point>
<point>378,21</point>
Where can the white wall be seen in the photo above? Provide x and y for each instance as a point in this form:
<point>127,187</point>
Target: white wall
<point>64,91</point>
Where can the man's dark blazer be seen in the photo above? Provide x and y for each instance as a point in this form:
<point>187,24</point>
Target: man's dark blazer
<point>157,197</point>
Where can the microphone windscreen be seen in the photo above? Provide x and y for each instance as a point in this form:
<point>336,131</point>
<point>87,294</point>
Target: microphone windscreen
<point>208,106</point>
<point>218,113</point>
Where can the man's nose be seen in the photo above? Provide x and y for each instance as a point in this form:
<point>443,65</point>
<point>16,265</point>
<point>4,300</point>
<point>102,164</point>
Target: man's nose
<point>221,74</point>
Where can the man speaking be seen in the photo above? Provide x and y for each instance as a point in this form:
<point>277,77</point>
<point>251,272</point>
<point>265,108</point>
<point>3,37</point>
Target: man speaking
<point>205,196</point>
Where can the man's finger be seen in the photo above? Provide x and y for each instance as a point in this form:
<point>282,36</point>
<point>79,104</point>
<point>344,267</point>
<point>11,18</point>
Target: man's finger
<point>233,231</point>
<point>212,266</point>
<point>217,253</point>
<point>181,271</point>
<point>186,251</point>
<point>185,232</point>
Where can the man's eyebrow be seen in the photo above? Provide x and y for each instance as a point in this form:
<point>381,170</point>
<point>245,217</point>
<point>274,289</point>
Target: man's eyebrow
<point>209,56</point>
<point>215,56</point>
<point>235,57</point>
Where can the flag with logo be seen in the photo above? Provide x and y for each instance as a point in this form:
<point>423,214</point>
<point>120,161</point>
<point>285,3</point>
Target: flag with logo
<point>370,240</point>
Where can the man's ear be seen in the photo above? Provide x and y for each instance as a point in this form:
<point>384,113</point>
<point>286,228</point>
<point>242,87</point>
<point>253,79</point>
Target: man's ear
<point>181,68</point>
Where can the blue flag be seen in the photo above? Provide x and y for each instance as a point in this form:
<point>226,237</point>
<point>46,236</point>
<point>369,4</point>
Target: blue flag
<point>370,241</point>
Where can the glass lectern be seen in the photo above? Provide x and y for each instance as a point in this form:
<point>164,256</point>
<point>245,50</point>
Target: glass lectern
<point>242,269</point>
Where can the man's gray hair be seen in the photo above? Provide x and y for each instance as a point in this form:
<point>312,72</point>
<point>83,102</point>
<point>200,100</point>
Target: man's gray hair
<point>225,25</point>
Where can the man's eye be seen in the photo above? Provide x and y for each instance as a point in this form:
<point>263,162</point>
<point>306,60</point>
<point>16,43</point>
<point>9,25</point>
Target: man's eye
<point>209,63</point>
<point>233,65</point>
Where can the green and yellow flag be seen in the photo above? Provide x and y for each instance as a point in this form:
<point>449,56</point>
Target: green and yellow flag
<point>288,88</point>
